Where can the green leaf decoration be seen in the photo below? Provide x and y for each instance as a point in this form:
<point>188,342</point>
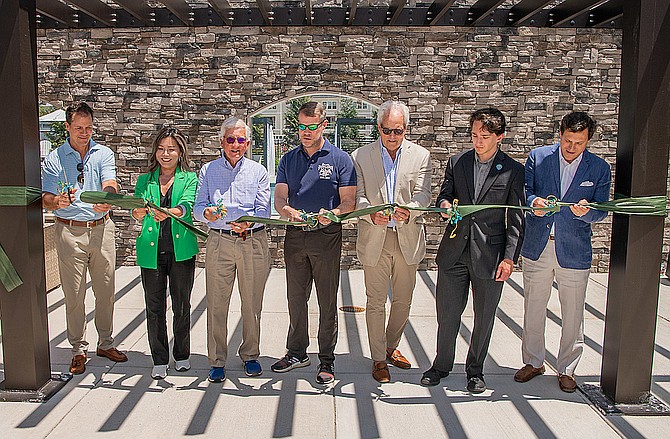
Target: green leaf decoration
<point>8,276</point>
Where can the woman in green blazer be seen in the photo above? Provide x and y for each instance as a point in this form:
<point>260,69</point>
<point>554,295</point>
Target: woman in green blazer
<point>166,249</point>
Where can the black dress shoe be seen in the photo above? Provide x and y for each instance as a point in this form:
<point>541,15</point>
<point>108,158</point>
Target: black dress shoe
<point>476,385</point>
<point>432,377</point>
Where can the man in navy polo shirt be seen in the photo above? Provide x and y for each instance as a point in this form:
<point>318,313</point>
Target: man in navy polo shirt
<point>314,177</point>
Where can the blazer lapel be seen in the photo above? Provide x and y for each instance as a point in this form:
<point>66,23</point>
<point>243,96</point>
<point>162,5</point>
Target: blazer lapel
<point>579,175</point>
<point>404,166</point>
<point>556,169</point>
<point>468,163</point>
<point>494,172</point>
<point>378,169</point>
<point>177,187</point>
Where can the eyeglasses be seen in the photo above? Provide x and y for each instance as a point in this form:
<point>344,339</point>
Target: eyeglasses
<point>396,131</point>
<point>311,127</point>
<point>231,140</point>
<point>80,177</point>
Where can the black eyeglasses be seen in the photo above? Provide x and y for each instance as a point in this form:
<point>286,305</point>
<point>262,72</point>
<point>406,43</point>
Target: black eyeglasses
<point>240,140</point>
<point>396,131</point>
<point>80,177</point>
<point>311,127</point>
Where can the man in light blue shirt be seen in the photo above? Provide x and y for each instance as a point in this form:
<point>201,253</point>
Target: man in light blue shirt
<point>241,186</point>
<point>84,232</point>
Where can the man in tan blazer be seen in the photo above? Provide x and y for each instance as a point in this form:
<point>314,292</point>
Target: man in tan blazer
<point>390,170</point>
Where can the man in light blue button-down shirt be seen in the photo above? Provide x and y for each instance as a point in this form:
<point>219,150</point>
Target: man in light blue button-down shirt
<point>243,187</point>
<point>84,232</point>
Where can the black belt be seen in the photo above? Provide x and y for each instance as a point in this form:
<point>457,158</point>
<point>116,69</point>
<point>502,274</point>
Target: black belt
<point>244,235</point>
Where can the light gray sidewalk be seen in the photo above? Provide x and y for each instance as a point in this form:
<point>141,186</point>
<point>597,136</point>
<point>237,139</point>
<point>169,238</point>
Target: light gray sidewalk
<point>121,400</point>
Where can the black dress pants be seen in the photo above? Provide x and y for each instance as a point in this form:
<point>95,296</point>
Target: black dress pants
<point>451,297</point>
<point>180,276</point>
<point>313,257</point>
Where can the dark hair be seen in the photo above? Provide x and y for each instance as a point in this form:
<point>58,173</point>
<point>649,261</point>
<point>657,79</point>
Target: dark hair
<point>313,109</point>
<point>184,163</point>
<point>79,107</point>
<point>492,119</point>
<point>578,121</point>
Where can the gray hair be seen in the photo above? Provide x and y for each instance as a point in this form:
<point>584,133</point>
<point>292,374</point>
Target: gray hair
<point>386,108</point>
<point>232,123</point>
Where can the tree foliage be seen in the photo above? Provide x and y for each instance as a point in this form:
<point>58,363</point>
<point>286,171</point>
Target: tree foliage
<point>348,110</point>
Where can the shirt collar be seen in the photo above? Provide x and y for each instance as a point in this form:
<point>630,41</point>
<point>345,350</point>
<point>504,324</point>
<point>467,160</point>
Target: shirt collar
<point>384,150</point>
<point>227,165</point>
<point>327,147</point>
<point>70,150</point>
<point>575,162</point>
<point>488,161</point>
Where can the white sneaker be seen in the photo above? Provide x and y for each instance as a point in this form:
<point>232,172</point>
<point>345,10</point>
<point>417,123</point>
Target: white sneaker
<point>159,372</point>
<point>182,365</point>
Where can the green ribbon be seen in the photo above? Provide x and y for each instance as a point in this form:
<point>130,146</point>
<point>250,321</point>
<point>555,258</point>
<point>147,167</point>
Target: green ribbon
<point>131,202</point>
<point>14,196</point>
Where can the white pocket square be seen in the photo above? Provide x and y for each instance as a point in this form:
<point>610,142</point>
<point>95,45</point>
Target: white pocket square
<point>586,183</point>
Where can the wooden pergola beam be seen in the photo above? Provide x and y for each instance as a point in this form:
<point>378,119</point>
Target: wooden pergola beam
<point>480,10</point>
<point>266,8</point>
<point>96,9</point>
<point>571,9</point>
<point>138,9</point>
<point>180,9</point>
<point>437,10</point>
<point>395,9</point>
<point>525,9</point>
<point>57,11</point>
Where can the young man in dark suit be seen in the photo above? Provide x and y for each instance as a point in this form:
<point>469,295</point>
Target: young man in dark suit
<point>480,250</point>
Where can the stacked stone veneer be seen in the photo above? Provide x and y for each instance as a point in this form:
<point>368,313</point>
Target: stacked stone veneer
<point>137,80</point>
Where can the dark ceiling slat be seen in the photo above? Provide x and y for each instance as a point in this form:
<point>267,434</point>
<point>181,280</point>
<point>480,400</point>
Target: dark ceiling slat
<point>138,9</point>
<point>395,9</point>
<point>570,9</point>
<point>308,11</point>
<point>437,10</point>
<point>96,9</point>
<point>482,9</point>
<point>353,6</point>
<point>526,9</point>
<point>223,9</point>
<point>610,11</point>
<point>180,9</point>
<point>265,8</point>
<point>56,10</point>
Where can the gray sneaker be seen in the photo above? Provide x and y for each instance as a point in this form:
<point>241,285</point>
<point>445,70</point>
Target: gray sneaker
<point>289,362</point>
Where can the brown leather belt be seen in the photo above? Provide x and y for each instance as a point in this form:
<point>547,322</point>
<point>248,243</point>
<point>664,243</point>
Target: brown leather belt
<point>88,224</point>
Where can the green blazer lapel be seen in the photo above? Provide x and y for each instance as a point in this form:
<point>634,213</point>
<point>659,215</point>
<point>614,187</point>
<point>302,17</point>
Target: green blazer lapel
<point>154,188</point>
<point>178,187</point>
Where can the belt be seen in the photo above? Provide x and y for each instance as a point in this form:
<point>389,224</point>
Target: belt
<point>243,235</point>
<point>87,224</point>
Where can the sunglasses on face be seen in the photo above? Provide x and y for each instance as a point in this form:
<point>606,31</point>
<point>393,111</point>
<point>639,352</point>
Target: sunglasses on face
<point>231,140</point>
<point>80,177</point>
<point>396,131</point>
<point>311,127</point>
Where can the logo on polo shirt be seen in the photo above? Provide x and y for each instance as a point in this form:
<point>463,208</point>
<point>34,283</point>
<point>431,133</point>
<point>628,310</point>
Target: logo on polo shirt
<point>325,171</point>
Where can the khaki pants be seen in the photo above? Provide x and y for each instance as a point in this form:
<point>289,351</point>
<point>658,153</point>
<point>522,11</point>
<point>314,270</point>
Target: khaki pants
<point>538,277</point>
<point>226,256</point>
<point>391,270</point>
<point>82,249</point>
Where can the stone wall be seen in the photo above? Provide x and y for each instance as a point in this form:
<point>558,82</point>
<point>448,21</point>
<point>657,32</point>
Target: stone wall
<point>137,80</point>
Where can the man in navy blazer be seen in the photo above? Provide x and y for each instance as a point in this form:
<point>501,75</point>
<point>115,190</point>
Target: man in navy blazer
<point>558,246</point>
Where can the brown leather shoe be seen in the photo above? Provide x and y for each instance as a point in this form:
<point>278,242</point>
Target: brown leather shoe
<point>113,354</point>
<point>527,373</point>
<point>380,372</point>
<point>396,358</point>
<point>78,364</point>
<point>567,383</point>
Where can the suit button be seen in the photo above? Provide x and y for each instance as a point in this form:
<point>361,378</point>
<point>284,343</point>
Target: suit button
<point>151,244</point>
<point>177,236</point>
<point>547,226</point>
<point>150,229</point>
<point>464,237</point>
<point>473,218</point>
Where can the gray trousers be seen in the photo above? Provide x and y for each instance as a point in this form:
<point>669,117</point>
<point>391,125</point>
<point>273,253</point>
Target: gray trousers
<point>312,257</point>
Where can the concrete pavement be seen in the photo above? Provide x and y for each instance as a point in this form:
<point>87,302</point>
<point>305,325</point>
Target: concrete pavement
<point>121,400</point>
